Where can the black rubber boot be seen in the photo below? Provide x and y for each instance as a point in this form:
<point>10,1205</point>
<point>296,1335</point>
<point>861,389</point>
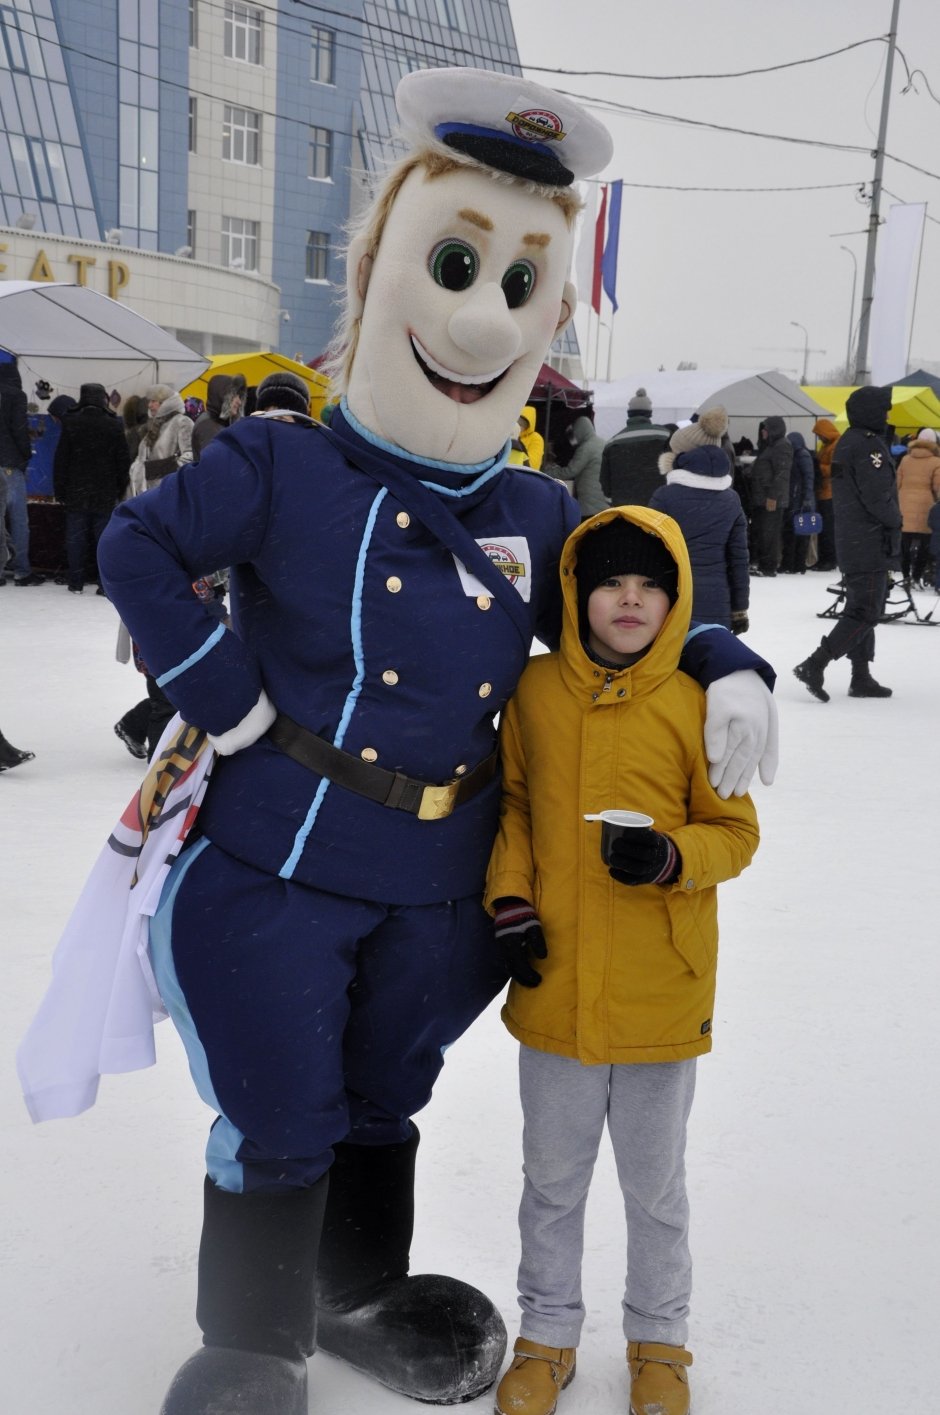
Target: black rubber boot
<point>256,1307</point>
<point>11,756</point>
<point>810,673</point>
<point>432,1338</point>
<point>863,684</point>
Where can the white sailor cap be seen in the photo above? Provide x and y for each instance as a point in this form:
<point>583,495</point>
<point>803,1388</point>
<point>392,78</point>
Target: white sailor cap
<point>506,122</point>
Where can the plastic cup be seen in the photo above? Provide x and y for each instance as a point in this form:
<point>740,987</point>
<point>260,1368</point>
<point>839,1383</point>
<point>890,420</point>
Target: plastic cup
<point>614,823</point>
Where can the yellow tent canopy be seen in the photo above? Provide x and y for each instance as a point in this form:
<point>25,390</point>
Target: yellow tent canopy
<point>912,407</point>
<point>257,365</point>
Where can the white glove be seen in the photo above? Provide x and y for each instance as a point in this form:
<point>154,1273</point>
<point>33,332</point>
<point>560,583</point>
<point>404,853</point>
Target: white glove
<point>741,732</point>
<point>251,727</point>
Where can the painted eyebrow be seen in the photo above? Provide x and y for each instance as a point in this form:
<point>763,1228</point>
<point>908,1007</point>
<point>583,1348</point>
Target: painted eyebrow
<point>476,218</point>
<point>536,238</point>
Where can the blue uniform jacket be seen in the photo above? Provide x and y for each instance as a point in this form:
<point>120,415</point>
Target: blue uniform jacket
<point>360,626</point>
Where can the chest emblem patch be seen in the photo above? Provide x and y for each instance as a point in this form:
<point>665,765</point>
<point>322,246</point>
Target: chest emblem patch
<point>510,555</point>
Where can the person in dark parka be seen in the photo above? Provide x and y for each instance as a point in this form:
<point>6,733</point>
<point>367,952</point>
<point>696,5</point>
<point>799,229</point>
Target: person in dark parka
<point>802,498</point>
<point>90,475</point>
<point>698,495</point>
<point>868,543</point>
<point>770,492</point>
<point>629,466</point>
<point>225,397</point>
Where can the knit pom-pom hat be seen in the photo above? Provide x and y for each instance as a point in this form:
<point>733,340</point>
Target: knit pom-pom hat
<point>705,430</point>
<point>640,402</point>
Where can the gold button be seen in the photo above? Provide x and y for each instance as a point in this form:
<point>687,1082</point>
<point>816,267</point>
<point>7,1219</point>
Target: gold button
<point>483,601</point>
<point>369,754</point>
<point>390,677</point>
<point>485,689</point>
<point>460,770</point>
<point>403,519</point>
<point>690,884</point>
<point>393,584</point>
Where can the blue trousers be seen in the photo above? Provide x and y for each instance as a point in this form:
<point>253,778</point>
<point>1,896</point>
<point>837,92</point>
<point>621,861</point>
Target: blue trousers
<point>310,1018</point>
<point>15,543</point>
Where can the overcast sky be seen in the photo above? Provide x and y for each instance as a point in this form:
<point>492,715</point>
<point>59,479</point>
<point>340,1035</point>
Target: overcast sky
<point>717,277</point>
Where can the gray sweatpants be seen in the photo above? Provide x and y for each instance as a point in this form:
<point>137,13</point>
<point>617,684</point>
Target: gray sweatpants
<point>646,1108</point>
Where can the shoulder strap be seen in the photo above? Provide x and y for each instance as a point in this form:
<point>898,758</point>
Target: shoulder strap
<point>434,515</point>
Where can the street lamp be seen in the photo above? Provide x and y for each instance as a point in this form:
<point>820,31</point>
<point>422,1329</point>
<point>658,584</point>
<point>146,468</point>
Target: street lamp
<point>805,348</point>
<point>849,368</point>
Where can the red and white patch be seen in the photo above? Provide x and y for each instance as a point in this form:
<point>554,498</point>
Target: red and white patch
<point>537,125</point>
<point>511,557</point>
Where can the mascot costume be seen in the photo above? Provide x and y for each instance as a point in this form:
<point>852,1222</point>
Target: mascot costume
<point>319,940</point>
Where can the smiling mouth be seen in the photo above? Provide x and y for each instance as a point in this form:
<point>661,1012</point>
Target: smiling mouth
<point>459,387</point>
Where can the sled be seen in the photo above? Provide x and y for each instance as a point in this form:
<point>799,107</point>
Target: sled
<point>900,606</point>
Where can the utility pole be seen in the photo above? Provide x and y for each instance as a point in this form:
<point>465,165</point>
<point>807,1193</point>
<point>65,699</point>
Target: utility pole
<point>862,370</point>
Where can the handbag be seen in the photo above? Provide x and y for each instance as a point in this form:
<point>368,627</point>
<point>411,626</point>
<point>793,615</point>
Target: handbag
<point>156,468</point>
<point>807,523</point>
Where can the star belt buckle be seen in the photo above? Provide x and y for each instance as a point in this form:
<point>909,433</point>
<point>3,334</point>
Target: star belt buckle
<point>437,802</point>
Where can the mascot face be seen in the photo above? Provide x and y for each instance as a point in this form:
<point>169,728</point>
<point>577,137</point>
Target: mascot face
<point>458,309</point>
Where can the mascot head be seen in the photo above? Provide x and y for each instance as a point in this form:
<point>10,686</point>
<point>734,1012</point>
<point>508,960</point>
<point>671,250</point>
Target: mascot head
<point>457,273</point>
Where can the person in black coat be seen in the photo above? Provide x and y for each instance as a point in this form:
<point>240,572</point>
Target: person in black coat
<point>15,451</point>
<point>770,492</point>
<point>90,475</point>
<point>868,542</point>
<point>802,498</point>
<point>630,460</point>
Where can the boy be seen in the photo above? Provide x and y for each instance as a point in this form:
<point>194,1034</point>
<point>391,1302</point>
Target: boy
<point>621,1007</point>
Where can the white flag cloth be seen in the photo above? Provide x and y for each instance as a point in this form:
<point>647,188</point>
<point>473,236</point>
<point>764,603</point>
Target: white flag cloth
<point>98,1013</point>
<point>895,282</point>
<point>584,252</point>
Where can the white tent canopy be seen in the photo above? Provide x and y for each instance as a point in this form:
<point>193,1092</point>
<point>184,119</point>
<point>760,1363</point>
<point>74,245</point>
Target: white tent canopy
<point>69,335</point>
<point>749,395</point>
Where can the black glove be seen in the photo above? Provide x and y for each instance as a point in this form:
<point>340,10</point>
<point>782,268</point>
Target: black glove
<point>644,857</point>
<point>739,621</point>
<point>519,934</point>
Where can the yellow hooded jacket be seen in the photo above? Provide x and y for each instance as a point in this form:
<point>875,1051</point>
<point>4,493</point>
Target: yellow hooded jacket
<point>630,972</point>
<point>532,441</point>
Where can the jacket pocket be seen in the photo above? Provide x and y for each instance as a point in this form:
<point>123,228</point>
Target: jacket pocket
<point>693,919</point>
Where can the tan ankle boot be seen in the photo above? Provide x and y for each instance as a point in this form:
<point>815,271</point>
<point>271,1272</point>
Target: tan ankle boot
<point>659,1384</point>
<point>532,1384</point>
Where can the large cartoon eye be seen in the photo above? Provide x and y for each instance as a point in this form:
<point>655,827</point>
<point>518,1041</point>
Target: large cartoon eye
<point>518,283</point>
<point>454,264</point>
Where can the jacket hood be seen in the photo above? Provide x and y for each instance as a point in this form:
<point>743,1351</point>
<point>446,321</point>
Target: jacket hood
<point>825,430</point>
<point>796,440</point>
<point>775,428</point>
<point>528,413</point>
<point>61,404</point>
<point>579,670</point>
<point>170,405</point>
<point>708,461</point>
<point>581,429</point>
<point>220,390</point>
<point>134,410</point>
<point>868,408</point>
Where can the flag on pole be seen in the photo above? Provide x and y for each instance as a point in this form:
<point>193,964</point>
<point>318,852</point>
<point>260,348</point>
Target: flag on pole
<point>584,260</point>
<point>892,308</point>
<point>599,252</point>
<point>609,259</point>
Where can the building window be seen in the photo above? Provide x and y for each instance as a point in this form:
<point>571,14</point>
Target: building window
<point>318,255</point>
<point>239,243</point>
<point>320,150</point>
<point>452,14</point>
<point>13,39</point>
<point>192,125</point>
<point>191,233</point>
<point>242,32</point>
<point>322,55</point>
<point>241,136</point>
<point>193,25</point>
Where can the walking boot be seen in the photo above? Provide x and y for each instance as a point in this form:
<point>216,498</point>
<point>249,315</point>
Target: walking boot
<point>11,756</point>
<point>863,685</point>
<point>256,1306</point>
<point>429,1337</point>
<point>535,1379</point>
<point>810,673</point>
<point>659,1384</point>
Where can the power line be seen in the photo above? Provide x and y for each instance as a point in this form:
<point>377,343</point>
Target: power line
<point>668,187</point>
<point>684,78</point>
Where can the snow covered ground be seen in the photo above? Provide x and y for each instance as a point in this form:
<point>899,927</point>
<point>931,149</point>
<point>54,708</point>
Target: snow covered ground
<point>813,1149</point>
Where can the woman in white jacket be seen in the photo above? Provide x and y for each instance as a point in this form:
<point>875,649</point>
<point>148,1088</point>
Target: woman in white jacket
<point>167,441</point>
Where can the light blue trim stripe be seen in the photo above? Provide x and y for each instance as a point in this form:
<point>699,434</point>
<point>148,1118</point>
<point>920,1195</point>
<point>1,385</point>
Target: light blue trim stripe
<point>355,632</point>
<point>402,455</point>
<point>194,658</point>
<point>224,1138</point>
<point>700,629</point>
<point>474,485</point>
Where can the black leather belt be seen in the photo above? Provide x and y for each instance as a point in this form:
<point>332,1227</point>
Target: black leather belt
<point>389,788</point>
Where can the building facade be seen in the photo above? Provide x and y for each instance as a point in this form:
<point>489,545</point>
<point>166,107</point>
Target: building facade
<point>199,159</point>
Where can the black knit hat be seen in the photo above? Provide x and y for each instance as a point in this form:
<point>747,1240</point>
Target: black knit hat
<point>283,390</point>
<point>621,548</point>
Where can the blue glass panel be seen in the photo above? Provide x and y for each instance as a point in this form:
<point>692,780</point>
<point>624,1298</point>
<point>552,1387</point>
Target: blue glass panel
<point>60,176</point>
<point>78,180</point>
<point>62,101</point>
<point>148,200</point>
<point>88,225</point>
